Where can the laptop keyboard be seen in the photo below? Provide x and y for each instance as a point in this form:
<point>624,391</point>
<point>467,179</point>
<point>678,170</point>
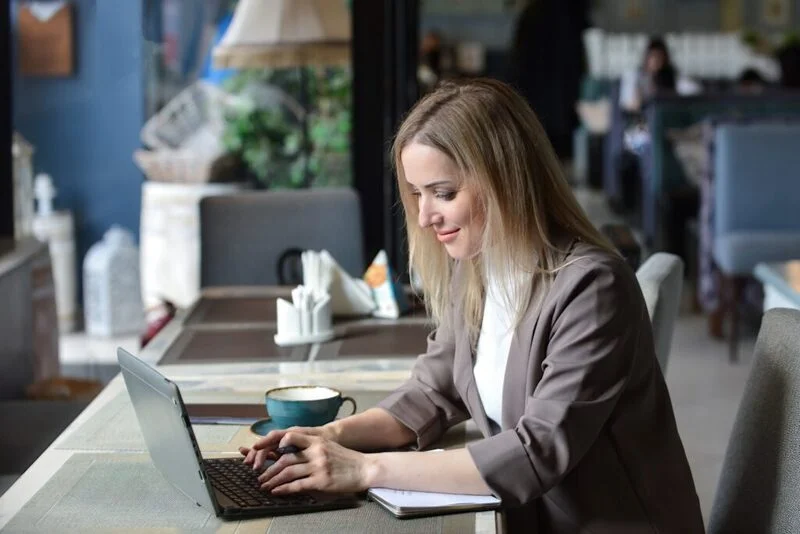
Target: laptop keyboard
<point>240,484</point>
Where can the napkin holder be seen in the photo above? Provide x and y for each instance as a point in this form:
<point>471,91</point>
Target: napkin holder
<point>305,320</point>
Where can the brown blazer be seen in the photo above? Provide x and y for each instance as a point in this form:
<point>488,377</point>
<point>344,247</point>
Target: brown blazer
<point>588,440</point>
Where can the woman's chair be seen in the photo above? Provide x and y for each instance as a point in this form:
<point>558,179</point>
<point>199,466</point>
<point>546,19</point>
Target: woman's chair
<point>759,488</point>
<point>661,281</point>
<point>245,237</point>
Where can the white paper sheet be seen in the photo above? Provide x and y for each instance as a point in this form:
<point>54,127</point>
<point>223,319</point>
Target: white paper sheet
<point>425,499</point>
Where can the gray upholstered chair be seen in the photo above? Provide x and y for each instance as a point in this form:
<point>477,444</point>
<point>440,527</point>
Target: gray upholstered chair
<point>759,488</point>
<point>244,235</point>
<point>661,281</point>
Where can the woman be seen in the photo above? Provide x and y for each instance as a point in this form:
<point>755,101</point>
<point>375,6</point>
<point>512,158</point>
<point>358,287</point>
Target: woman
<point>543,339</point>
<point>656,75</point>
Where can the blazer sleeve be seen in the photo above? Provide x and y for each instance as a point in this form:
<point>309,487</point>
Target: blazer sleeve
<point>428,403</point>
<point>592,345</point>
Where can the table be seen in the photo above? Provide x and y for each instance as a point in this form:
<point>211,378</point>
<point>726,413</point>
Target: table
<point>100,459</point>
<point>781,284</point>
<point>97,476</point>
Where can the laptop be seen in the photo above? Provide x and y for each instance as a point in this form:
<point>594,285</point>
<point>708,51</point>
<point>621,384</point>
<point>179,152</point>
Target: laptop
<point>224,486</point>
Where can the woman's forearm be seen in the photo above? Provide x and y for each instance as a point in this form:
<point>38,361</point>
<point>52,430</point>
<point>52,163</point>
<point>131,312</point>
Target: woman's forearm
<point>451,471</point>
<point>371,430</point>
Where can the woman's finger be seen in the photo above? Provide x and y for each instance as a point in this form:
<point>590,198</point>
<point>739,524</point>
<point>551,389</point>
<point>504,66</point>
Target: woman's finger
<point>298,439</point>
<point>270,441</point>
<point>290,473</point>
<point>260,459</point>
<point>281,463</point>
<point>308,483</point>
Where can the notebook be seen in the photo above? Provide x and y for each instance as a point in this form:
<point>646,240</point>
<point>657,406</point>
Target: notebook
<point>403,503</point>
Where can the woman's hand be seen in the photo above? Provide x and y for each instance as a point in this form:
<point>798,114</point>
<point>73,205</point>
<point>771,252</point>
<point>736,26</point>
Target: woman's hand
<point>321,465</point>
<point>264,449</point>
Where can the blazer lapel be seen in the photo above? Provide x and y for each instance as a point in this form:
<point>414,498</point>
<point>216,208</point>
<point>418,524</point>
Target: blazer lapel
<point>465,362</point>
<point>515,386</point>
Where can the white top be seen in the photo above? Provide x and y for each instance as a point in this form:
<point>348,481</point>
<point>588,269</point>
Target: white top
<point>494,343</point>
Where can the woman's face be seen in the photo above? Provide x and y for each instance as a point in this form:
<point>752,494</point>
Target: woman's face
<point>655,60</point>
<point>447,207</point>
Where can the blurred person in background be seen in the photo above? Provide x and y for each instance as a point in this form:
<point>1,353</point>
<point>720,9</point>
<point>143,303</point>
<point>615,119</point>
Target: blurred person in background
<point>656,75</point>
<point>548,62</point>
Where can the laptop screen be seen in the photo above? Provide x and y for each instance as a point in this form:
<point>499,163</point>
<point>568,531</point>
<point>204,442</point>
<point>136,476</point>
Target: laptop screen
<point>165,426</point>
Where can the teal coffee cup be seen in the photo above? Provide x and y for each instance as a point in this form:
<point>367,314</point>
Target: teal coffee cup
<point>304,405</point>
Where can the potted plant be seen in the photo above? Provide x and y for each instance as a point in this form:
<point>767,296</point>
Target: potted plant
<point>265,134</point>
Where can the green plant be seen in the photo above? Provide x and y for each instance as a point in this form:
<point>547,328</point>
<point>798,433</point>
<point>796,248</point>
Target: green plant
<point>266,131</point>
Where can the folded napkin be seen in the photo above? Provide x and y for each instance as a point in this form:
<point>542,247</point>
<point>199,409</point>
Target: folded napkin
<point>322,275</point>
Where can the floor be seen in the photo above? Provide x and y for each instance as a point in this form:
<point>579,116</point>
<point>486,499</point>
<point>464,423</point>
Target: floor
<point>705,388</point>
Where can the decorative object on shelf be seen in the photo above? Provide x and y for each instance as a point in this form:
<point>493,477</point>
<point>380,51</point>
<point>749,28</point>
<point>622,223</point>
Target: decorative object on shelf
<point>22,171</point>
<point>56,228</point>
<point>289,33</point>
<point>46,41</point>
<point>634,10</point>
<point>111,297</point>
<point>776,12</point>
<point>185,137</point>
<point>731,15</point>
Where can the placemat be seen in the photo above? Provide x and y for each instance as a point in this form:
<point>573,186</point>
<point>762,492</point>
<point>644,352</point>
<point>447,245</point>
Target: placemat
<point>231,345</point>
<point>233,310</point>
<point>115,427</point>
<point>378,341</point>
<point>125,493</point>
<point>103,492</point>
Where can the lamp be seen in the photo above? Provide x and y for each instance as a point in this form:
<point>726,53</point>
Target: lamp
<point>287,33</point>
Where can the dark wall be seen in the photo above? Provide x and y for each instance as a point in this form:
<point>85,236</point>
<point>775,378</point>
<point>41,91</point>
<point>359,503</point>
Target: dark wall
<point>86,127</point>
<point>6,181</point>
<point>384,89</point>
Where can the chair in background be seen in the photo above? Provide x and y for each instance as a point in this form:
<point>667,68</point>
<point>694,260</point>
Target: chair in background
<point>661,281</point>
<point>758,490</point>
<point>756,219</point>
<point>243,236</point>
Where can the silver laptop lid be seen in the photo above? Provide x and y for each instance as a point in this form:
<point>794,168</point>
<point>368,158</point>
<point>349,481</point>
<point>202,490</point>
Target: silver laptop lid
<point>166,429</point>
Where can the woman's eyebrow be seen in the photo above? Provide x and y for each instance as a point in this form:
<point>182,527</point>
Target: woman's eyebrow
<point>436,184</point>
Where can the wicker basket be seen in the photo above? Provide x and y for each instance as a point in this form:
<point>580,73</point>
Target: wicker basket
<point>193,120</point>
<point>173,166</point>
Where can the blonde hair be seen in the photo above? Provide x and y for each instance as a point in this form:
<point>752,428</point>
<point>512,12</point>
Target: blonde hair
<point>503,155</point>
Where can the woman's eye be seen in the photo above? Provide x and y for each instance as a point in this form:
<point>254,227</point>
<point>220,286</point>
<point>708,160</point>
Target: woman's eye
<point>446,195</point>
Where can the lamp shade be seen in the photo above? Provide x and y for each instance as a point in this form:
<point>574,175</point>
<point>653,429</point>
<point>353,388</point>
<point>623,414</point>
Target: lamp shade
<point>286,33</point>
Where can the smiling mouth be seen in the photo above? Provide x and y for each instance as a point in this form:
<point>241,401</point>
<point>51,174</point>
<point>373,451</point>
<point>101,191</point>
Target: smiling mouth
<point>446,237</point>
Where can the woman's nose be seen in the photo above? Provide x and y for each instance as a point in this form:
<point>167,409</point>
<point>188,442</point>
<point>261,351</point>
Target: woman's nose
<point>426,214</point>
